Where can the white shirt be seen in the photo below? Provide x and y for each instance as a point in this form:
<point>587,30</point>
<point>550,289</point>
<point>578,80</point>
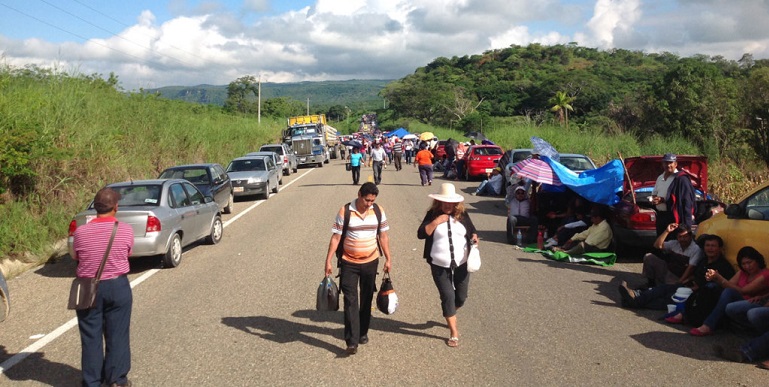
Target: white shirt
<point>519,208</point>
<point>661,189</point>
<point>440,252</point>
<point>693,251</point>
<point>378,154</point>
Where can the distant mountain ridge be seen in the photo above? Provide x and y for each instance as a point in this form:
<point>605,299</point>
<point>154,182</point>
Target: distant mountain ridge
<point>352,93</point>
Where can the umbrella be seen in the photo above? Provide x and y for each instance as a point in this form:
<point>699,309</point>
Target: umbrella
<point>353,143</point>
<point>426,136</point>
<point>410,137</point>
<point>543,148</point>
<point>537,170</point>
<point>476,136</point>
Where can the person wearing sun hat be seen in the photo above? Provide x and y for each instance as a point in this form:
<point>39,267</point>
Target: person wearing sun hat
<point>448,233</point>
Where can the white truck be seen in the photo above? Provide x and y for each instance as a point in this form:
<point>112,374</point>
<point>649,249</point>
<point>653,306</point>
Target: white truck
<point>314,142</point>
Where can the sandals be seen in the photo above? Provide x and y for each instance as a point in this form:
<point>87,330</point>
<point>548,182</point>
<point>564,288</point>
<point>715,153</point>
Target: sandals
<point>453,342</point>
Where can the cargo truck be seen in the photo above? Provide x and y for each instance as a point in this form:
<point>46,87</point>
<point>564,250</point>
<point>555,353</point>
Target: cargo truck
<point>314,141</point>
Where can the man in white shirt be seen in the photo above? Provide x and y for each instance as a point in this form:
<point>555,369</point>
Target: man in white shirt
<point>492,186</point>
<point>378,158</point>
<point>674,261</point>
<point>660,192</point>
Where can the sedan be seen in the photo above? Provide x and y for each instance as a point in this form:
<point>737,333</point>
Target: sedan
<point>210,179</point>
<point>745,223</point>
<point>285,153</point>
<point>481,159</point>
<point>254,175</point>
<point>166,215</point>
<point>275,159</point>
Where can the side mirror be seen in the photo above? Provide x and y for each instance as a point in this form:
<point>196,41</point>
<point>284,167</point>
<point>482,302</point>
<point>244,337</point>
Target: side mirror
<point>208,199</point>
<point>733,211</point>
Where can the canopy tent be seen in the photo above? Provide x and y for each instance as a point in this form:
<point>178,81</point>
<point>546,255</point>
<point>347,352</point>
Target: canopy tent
<point>601,185</point>
<point>400,132</point>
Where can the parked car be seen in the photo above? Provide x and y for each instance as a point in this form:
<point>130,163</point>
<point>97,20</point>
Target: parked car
<point>481,159</point>
<point>440,149</point>
<point>165,214</point>
<point>634,220</point>
<point>254,175</point>
<point>289,163</point>
<point>210,179</point>
<point>574,161</point>
<point>277,160</point>
<point>745,223</point>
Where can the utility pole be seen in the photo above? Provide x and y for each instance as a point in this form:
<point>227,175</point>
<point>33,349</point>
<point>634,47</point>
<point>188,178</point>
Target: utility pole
<point>308,106</point>
<point>259,101</point>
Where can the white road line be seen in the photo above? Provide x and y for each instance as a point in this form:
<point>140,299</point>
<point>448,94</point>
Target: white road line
<point>17,358</point>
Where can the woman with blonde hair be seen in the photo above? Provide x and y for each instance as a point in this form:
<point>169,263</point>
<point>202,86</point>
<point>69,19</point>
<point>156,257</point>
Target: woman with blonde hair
<point>448,233</point>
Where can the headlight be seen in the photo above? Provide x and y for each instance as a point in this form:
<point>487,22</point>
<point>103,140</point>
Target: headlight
<point>252,180</point>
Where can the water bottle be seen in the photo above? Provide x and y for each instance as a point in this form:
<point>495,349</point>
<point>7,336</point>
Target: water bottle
<point>519,238</point>
<point>545,235</point>
<point>540,240</point>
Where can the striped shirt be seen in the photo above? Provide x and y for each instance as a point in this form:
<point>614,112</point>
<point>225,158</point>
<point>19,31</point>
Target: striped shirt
<point>398,147</point>
<point>90,243</point>
<point>360,244</point>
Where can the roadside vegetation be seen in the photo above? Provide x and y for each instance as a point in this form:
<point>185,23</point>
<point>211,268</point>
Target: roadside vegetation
<point>62,137</point>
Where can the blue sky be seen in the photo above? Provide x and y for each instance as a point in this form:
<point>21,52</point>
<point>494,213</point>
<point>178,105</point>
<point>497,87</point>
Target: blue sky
<point>184,42</point>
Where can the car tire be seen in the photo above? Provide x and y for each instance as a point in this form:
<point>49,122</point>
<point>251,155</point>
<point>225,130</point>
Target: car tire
<point>266,194</point>
<point>228,208</point>
<point>173,257</point>
<point>320,165</point>
<point>287,172</point>
<point>217,229</point>
<point>296,168</point>
<point>275,189</point>
<point>280,181</point>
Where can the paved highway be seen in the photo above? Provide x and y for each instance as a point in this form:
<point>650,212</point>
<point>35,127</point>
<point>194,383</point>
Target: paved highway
<point>242,312</point>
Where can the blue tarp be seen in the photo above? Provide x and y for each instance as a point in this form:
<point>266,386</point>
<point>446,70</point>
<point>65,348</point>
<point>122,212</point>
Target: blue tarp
<point>600,185</point>
<point>400,132</point>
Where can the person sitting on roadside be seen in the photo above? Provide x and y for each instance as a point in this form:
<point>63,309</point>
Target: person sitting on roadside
<point>493,185</point>
<point>754,350</point>
<point>742,292</point>
<point>577,214</point>
<point>519,214</point>
<point>596,238</point>
<point>659,296</point>
<point>673,261</point>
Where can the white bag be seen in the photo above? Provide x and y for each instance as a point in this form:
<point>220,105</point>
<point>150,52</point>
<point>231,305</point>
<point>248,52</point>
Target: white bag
<point>473,259</point>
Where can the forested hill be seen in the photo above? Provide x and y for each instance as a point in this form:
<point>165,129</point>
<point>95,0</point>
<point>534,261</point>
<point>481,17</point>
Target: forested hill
<point>351,93</point>
<point>708,100</point>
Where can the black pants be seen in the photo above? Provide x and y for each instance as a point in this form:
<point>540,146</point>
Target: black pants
<point>397,158</point>
<point>357,310</point>
<point>355,174</point>
<point>664,218</point>
<point>452,289</point>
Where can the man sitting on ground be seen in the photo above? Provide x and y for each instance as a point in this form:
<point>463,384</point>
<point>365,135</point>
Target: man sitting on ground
<point>493,186</point>
<point>596,238</point>
<point>673,261</point>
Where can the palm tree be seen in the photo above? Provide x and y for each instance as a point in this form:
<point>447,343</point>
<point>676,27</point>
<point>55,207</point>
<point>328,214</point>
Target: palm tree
<point>562,105</point>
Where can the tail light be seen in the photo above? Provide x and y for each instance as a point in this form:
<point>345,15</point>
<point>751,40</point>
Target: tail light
<point>153,224</point>
<point>72,227</point>
<point>285,159</point>
<point>643,220</point>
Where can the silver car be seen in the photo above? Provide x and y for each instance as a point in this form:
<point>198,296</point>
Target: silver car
<point>275,158</point>
<point>284,152</point>
<point>254,175</point>
<point>166,215</point>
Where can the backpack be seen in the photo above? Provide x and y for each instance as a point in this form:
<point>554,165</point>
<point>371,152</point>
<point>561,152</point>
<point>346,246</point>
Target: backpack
<point>340,247</point>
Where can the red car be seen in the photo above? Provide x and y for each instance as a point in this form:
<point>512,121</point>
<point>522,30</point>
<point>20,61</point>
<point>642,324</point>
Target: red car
<point>481,159</point>
<point>634,223</point>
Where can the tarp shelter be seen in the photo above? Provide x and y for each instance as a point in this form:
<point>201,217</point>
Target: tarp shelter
<point>400,132</point>
<point>602,185</point>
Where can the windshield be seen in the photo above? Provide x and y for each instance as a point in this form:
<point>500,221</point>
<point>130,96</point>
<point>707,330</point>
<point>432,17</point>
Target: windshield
<point>246,165</point>
<point>138,195</point>
<point>193,175</point>
<point>275,149</point>
<point>577,163</point>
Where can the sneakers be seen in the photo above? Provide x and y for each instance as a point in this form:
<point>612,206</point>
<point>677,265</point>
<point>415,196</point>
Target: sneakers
<point>474,194</point>
<point>627,295</point>
<point>550,243</point>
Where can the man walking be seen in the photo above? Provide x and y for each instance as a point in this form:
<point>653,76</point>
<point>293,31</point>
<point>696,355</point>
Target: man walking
<point>398,154</point>
<point>359,237</point>
<point>378,158</point>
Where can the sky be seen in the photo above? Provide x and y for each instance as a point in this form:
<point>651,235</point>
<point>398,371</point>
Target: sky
<point>156,43</point>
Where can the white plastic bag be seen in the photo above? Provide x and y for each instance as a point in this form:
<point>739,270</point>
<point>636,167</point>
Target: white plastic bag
<point>473,259</point>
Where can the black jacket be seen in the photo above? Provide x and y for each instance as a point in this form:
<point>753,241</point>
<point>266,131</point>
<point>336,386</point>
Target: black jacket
<point>680,199</point>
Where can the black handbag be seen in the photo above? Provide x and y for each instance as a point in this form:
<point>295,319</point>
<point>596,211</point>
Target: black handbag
<point>386,299</point>
<point>327,296</point>
<point>348,166</point>
<point>82,293</point>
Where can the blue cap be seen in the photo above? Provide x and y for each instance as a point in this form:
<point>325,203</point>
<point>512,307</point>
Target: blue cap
<point>669,158</point>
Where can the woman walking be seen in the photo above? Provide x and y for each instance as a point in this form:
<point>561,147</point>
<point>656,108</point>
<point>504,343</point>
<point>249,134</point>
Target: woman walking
<point>448,233</point>
<point>424,160</point>
<point>355,160</point>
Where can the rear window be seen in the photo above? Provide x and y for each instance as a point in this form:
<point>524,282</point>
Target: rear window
<point>246,165</point>
<point>276,149</point>
<point>139,195</point>
<point>193,175</point>
<point>488,151</point>
<point>576,163</point>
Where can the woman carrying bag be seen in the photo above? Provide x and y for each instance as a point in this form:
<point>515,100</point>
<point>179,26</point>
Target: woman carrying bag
<point>448,233</point>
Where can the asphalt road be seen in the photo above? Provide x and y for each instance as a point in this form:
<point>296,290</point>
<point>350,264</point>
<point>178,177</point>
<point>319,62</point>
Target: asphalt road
<point>241,313</point>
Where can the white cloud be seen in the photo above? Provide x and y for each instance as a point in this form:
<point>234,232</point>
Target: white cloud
<point>612,17</point>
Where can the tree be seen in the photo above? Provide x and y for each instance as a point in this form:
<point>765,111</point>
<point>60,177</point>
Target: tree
<point>561,106</point>
<point>241,95</point>
<point>755,102</point>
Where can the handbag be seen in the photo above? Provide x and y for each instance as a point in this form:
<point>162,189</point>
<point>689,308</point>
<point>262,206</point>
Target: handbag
<point>473,259</point>
<point>328,295</point>
<point>386,299</point>
<point>82,293</point>
<point>348,166</point>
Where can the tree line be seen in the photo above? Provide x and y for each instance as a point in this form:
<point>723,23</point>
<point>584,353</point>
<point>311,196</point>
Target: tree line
<point>720,105</point>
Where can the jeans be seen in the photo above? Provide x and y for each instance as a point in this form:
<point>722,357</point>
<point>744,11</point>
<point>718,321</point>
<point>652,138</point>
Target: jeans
<point>355,174</point>
<point>657,297</point>
<point>377,171</point>
<point>409,154</point>
<point>727,297</point>
<point>757,349</point>
<point>759,318</point>
<point>426,174</point>
<point>749,314</point>
<point>357,310</point>
<point>486,189</point>
<point>106,326</point>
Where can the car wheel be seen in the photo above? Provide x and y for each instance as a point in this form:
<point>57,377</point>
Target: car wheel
<point>296,168</point>
<point>320,165</point>
<point>266,194</point>
<point>280,181</point>
<point>275,189</point>
<point>228,208</point>
<point>217,229</point>
<point>173,257</point>
<point>287,172</point>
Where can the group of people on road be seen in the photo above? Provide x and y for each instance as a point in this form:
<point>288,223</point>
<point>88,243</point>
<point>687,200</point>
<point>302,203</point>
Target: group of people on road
<point>360,238</point>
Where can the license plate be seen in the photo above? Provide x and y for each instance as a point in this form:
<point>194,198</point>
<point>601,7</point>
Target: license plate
<point>237,189</point>
<point>488,170</point>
